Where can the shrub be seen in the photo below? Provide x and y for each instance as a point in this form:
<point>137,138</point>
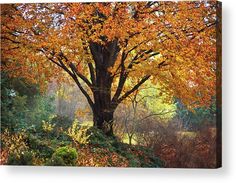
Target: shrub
<point>189,150</point>
<point>47,126</point>
<point>3,157</point>
<point>14,143</point>
<point>64,156</point>
<point>40,146</point>
<point>56,161</point>
<point>16,148</point>
<point>78,133</point>
<point>99,139</point>
<point>24,158</point>
<point>63,122</point>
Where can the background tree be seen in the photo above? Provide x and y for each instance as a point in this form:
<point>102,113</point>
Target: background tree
<point>140,108</point>
<point>110,49</point>
<point>197,117</point>
<point>22,106</point>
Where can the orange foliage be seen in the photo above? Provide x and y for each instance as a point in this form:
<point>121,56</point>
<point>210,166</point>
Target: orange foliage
<point>3,156</point>
<point>190,152</point>
<point>174,44</point>
<point>100,157</point>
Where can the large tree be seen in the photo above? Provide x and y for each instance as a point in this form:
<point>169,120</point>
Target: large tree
<point>110,49</point>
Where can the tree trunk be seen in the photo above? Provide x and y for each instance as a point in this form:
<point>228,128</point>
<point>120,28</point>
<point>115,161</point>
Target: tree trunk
<point>103,104</point>
<point>104,121</point>
<point>130,140</point>
<point>103,110</point>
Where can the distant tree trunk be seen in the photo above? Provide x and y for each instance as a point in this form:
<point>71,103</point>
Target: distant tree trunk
<point>130,139</point>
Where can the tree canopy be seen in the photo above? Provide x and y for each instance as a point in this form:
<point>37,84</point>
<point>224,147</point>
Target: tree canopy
<point>110,49</point>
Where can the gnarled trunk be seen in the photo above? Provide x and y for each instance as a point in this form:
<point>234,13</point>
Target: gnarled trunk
<point>103,109</point>
<point>103,104</point>
<point>104,121</point>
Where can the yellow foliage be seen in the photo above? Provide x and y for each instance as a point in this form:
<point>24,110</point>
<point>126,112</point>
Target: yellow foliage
<point>47,127</point>
<point>14,143</point>
<point>78,133</point>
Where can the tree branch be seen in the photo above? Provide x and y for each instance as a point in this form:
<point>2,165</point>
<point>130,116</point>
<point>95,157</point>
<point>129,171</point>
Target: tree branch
<point>74,77</point>
<point>122,79</point>
<point>156,114</point>
<point>145,78</point>
<point>92,75</point>
<point>83,91</point>
<point>75,70</point>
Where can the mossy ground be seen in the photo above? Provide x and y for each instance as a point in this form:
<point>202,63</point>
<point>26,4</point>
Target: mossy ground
<point>98,150</point>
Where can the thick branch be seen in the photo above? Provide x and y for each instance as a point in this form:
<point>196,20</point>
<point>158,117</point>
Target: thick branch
<point>122,79</point>
<point>74,77</point>
<point>133,89</point>
<point>81,76</point>
<point>75,70</point>
<point>124,73</point>
<point>50,58</point>
<point>92,75</point>
<point>9,39</point>
<point>141,55</point>
<point>83,91</point>
<point>136,46</point>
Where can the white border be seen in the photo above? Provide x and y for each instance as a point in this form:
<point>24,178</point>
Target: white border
<point>226,174</point>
